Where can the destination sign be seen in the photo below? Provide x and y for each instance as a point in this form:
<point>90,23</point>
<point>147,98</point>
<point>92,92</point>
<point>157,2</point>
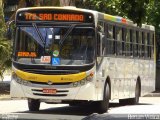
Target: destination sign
<point>54,17</point>
<point>62,16</point>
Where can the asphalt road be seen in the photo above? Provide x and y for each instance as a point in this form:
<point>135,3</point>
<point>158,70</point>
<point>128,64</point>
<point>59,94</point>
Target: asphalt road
<point>18,109</point>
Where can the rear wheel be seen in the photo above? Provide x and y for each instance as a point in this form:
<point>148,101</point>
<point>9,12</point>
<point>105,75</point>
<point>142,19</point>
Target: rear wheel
<point>33,104</point>
<point>104,104</point>
<point>135,100</point>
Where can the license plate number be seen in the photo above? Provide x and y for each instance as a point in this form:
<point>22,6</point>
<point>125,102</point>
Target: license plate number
<point>49,91</point>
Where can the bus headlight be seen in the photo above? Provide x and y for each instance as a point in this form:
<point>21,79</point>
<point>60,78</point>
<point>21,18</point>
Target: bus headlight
<point>19,80</point>
<point>84,81</point>
<point>75,84</point>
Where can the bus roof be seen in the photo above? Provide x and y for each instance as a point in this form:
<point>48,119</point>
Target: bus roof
<point>121,20</point>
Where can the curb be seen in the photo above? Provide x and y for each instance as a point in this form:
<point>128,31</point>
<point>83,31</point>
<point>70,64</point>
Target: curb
<point>5,97</point>
<point>157,94</point>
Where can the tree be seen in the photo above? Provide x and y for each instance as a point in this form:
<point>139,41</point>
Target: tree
<point>5,48</point>
<point>153,15</point>
<point>136,10</point>
<point>67,2</point>
<point>106,6</point>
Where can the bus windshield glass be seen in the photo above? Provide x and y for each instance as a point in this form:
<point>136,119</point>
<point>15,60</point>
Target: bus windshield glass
<point>58,45</point>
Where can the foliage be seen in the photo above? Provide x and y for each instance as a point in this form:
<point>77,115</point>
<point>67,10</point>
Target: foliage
<point>153,14</point>
<point>5,48</point>
<point>135,10</point>
<point>107,6</point>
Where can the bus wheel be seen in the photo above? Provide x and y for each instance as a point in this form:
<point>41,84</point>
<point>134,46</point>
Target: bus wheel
<point>74,104</point>
<point>33,104</point>
<point>132,101</point>
<point>104,104</point>
<point>135,100</point>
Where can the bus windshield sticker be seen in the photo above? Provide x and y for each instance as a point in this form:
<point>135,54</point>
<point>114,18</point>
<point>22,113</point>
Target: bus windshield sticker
<point>45,59</point>
<point>27,54</point>
<point>55,61</point>
<point>49,36</point>
<point>55,53</point>
<point>57,37</point>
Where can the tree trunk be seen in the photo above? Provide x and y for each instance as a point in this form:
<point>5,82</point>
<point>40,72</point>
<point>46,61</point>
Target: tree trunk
<point>55,2</point>
<point>37,3</point>
<point>67,2</point>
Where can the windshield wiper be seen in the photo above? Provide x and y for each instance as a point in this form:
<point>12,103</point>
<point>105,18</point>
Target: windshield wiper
<point>39,33</point>
<point>67,33</point>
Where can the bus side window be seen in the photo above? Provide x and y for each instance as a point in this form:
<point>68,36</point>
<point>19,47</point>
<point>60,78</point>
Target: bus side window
<point>119,40</point>
<point>137,44</point>
<point>134,43</point>
<point>123,41</point>
<point>127,42</point>
<point>152,45</point>
<point>100,39</point>
<point>145,45</point>
<point>101,26</point>
<point>98,45</point>
<point>110,43</point>
<point>148,45</point>
<point>140,44</point>
<point>131,43</point>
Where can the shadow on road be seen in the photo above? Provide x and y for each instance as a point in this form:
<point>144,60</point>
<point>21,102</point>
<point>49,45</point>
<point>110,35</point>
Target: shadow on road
<point>81,110</point>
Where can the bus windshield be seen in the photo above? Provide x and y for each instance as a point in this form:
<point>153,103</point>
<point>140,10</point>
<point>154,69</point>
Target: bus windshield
<point>57,45</point>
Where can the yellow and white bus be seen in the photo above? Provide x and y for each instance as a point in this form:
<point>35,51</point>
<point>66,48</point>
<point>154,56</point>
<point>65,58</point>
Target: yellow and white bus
<point>72,55</point>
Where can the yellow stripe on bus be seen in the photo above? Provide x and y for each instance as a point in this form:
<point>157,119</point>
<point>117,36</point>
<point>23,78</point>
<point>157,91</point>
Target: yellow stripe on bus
<point>53,78</point>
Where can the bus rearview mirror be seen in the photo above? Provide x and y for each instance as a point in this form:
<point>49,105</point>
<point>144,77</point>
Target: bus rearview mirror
<point>10,29</point>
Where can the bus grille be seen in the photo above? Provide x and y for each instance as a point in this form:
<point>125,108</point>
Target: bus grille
<point>45,83</point>
<point>51,72</point>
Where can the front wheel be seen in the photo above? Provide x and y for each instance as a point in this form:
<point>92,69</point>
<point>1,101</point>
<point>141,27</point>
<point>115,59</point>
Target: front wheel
<point>33,104</point>
<point>104,104</point>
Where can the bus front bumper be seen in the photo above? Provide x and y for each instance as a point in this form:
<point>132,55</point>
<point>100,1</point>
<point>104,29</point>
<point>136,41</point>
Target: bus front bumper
<point>63,92</point>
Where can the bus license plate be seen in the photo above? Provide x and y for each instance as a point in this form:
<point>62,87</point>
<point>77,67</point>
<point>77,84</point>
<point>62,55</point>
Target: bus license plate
<point>49,91</point>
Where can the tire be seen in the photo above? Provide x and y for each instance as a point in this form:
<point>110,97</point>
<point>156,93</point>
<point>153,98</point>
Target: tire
<point>132,101</point>
<point>135,100</point>
<point>104,104</point>
<point>74,104</point>
<point>33,104</point>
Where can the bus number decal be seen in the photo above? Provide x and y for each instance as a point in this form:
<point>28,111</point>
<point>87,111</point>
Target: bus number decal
<point>45,59</point>
<point>27,54</point>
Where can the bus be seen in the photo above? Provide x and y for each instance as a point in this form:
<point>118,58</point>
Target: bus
<point>72,55</point>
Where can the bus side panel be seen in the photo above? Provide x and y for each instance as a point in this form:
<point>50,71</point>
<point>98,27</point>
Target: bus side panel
<point>120,72</point>
<point>147,76</point>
